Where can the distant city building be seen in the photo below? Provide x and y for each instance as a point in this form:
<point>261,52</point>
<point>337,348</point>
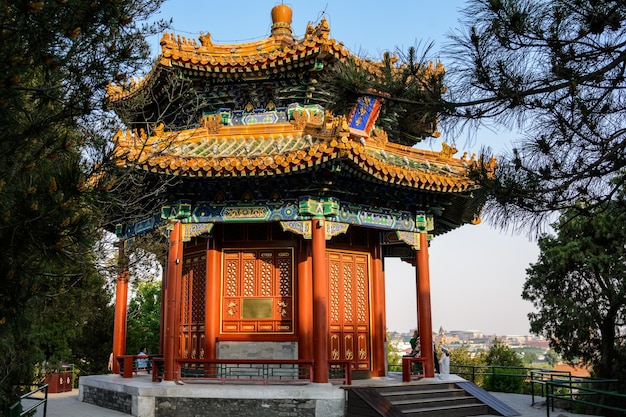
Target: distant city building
<point>464,335</point>
<point>473,340</point>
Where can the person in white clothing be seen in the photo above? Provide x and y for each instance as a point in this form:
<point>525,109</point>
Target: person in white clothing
<point>444,362</point>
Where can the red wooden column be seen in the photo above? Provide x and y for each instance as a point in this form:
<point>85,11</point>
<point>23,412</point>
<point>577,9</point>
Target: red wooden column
<point>424,319</point>
<point>212,312</point>
<point>121,306</point>
<point>378,329</point>
<point>162,312</point>
<point>305,302</point>
<point>172,301</point>
<point>320,301</point>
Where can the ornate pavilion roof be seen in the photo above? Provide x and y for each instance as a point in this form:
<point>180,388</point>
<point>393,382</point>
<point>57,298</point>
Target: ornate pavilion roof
<point>214,150</point>
<point>237,76</point>
<point>272,73</point>
<point>311,155</point>
<point>254,60</point>
<point>262,133</point>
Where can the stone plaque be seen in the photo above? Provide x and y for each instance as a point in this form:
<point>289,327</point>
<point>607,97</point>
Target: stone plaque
<point>256,308</point>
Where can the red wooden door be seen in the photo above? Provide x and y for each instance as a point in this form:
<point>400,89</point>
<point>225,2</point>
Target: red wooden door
<point>258,291</point>
<point>349,309</point>
<point>193,307</point>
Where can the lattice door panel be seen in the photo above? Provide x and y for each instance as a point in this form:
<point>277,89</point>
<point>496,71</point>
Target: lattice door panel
<point>192,311</point>
<point>258,291</point>
<point>349,315</point>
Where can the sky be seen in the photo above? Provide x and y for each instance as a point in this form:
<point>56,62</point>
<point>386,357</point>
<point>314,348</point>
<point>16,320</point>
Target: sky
<point>477,272</point>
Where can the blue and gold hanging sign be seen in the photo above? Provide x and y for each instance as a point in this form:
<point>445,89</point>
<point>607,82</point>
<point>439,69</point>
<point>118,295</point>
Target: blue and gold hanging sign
<point>364,114</point>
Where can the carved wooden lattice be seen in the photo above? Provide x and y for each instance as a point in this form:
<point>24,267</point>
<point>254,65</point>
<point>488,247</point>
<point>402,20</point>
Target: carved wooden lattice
<point>192,323</point>
<point>349,309</point>
<point>258,291</point>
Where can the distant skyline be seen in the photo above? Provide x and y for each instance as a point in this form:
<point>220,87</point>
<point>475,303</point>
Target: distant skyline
<point>477,272</point>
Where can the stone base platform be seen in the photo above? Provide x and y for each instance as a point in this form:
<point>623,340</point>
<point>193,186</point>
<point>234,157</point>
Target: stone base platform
<point>141,397</point>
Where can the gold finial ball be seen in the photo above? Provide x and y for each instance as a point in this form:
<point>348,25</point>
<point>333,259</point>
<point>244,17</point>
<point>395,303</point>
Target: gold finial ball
<point>281,13</point>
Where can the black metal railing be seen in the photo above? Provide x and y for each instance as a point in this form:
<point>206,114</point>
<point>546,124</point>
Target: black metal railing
<point>31,401</point>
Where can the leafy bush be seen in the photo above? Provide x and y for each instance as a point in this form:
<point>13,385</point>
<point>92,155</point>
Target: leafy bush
<point>507,374</point>
<point>505,380</point>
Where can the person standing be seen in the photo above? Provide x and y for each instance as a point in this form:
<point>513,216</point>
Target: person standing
<point>142,360</point>
<point>415,345</point>
<point>444,362</point>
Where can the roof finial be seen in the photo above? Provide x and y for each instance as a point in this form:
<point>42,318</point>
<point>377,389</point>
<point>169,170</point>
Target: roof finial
<point>281,20</point>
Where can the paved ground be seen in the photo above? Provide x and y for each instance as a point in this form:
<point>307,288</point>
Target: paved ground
<point>67,405</point>
<point>523,404</point>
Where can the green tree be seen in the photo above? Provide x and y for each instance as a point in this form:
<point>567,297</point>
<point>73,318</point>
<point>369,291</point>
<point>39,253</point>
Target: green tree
<point>578,289</point>
<point>555,70</point>
<point>56,60</point>
<point>466,363</point>
<point>411,86</point>
<point>552,358</point>
<point>503,376</point>
<point>63,338</point>
<point>501,354</point>
<point>552,69</point>
<point>529,358</point>
<point>393,355</point>
<point>144,320</point>
<point>91,346</point>
<point>462,356</point>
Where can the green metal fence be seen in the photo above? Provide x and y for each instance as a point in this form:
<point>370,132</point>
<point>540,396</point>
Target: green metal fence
<point>394,367</point>
<point>501,378</point>
<point>30,402</point>
<point>584,394</point>
<point>588,395</point>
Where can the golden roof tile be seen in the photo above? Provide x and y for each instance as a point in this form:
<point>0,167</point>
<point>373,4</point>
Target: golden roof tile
<point>235,151</point>
<point>279,52</point>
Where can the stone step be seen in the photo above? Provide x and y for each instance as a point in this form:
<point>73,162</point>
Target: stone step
<point>406,394</point>
<point>460,410</point>
<point>415,387</point>
<point>433,402</point>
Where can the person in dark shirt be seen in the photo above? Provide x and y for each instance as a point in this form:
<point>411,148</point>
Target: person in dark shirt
<point>415,345</point>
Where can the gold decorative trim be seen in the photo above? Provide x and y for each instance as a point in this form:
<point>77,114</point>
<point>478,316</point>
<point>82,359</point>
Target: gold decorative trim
<point>190,230</point>
<point>302,228</point>
<point>335,229</point>
<point>410,238</point>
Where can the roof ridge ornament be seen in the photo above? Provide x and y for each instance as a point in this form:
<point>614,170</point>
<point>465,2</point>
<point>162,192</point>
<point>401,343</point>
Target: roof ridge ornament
<point>447,151</point>
<point>281,21</point>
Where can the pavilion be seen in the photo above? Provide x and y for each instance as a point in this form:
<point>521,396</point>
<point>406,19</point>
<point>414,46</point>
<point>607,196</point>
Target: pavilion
<point>281,213</point>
